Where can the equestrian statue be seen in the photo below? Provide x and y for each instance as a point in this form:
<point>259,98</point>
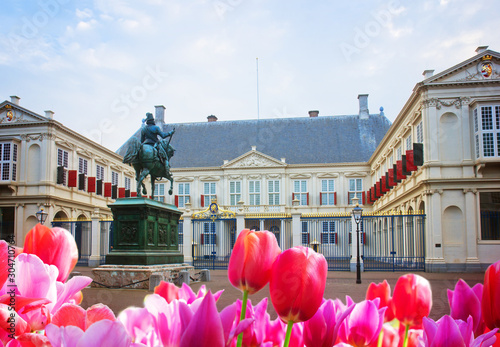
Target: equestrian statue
<point>151,155</point>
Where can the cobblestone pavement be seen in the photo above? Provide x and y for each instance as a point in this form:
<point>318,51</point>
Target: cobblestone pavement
<point>339,284</point>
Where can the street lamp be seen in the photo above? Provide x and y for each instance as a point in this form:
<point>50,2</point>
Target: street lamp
<point>357,212</point>
<point>41,216</point>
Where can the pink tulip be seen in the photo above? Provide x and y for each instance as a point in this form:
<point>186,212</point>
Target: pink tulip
<point>71,314</point>
<point>363,325</point>
<point>170,292</point>
<point>104,333</point>
<point>322,329</point>
<point>205,328</point>
<point>140,324</point>
<point>454,333</point>
<point>466,301</point>
<point>251,260</point>
<point>383,292</point>
<point>491,296</point>
<point>54,246</point>
<point>4,265</point>
<point>297,283</point>
<point>412,299</point>
<point>390,337</point>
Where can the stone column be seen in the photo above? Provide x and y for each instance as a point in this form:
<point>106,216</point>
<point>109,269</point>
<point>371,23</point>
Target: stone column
<point>434,254</point>
<point>187,245</point>
<point>472,262</point>
<point>240,223</point>
<point>95,252</point>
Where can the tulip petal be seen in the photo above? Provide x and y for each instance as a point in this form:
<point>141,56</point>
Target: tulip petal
<point>105,333</point>
<point>70,314</point>
<point>491,296</point>
<point>4,265</point>
<point>54,246</point>
<point>205,328</point>
<point>70,288</point>
<point>167,290</point>
<point>98,312</point>
<point>67,336</point>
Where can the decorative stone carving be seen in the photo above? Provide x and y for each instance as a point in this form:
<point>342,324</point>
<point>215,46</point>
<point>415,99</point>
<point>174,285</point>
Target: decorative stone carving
<point>162,234</point>
<point>129,233</point>
<point>151,232</point>
<point>254,160</point>
<point>39,137</point>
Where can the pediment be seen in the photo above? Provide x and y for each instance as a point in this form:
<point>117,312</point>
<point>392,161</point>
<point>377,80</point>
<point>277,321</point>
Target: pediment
<point>254,159</point>
<point>482,67</point>
<point>355,174</point>
<point>327,175</point>
<point>12,114</point>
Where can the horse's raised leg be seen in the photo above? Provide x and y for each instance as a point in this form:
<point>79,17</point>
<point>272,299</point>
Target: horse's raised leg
<point>153,179</point>
<point>143,175</point>
<point>171,179</point>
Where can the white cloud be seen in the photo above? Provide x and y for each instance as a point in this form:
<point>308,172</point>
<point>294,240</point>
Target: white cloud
<point>84,14</point>
<point>82,26</point>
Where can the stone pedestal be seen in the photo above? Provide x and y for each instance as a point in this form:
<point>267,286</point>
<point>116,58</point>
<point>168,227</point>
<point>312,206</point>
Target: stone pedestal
<point>145,232</point>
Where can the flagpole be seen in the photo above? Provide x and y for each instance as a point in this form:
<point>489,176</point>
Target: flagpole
<point>258,106</point>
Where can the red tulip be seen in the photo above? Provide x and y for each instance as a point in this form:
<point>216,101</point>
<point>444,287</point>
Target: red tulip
<point>383,292</point>
<point>252,259</point>
<point>491,296</point>
<point>412,299</point>
<point>54,246</point>
<point>297,283</point>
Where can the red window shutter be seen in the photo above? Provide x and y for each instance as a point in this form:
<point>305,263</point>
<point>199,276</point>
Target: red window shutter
<point>107,189</point>
<point>335,198</point>
<point>363,198</point>
<point>202,199</point>
<point>335,238</point>
<point>378,190</point>
<point>121,192</point>
<point>410,164</point>
<point>383,186</point>
<point>176,199</point>
<point>321,198</point>
<point>72,175</point>
<point>418,154</point>
<point>202,239</point>
<point>391,178</point>
<point>399,173</point>
<point>133,194</point>
<point>293,196</point>
<point>307,195</point>
<point>91,184</point>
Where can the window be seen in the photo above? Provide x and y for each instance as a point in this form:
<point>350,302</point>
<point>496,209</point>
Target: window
<point>300,192</point>
<point>180,231</point>
<point>209,193</point>
<point>234,192</point>
<point>82,166</point>
<point>328,234</point>
<point>487,131</point>
<point>490,215</point>
<point>63,161</point>
<point>209,236</point>
<point>409,144</point>
<point>273,190</point>
<point>127,183</point>
<point>327,192</point>
<point>355,189</point>
<point>305,233</point>
<point>391,162</point>
<point>398,153</point>
<point>114,178</point>
<point>159,192</point>
<point>420,133</point>
<point>99,172</point>
<point>254,192</point>
<point>184,192</point>
<point>8,161</point>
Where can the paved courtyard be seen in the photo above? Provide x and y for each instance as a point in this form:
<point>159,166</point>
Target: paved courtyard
<point>339,284</point>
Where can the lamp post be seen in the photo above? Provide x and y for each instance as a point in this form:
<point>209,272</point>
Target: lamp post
<point>41,216</point>
<point>357,213</point>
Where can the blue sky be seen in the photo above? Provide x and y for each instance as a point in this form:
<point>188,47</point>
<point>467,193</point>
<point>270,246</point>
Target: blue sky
<point>101,65</point>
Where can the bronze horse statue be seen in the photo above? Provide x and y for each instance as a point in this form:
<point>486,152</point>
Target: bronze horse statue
<point>146,161</point>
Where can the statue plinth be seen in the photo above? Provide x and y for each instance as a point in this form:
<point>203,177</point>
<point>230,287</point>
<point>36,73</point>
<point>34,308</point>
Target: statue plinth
<point>145,232</point>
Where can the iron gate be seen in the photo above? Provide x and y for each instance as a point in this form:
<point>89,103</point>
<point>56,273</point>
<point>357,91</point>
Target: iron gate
<point>329,236</point>
<point>82,232</point>
<point>394,243</point>
<point>213,241</point>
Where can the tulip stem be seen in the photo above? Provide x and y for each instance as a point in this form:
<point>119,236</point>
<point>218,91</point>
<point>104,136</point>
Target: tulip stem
<point>380,338</point>
<point>405,342</point>
<point>243,315</point>
<point>288,333</point>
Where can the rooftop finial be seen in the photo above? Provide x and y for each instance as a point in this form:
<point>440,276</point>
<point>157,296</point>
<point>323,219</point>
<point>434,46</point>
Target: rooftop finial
<point>382,111</point>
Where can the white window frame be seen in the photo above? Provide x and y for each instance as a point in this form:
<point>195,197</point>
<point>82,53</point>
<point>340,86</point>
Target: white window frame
<point>234,192</point>
<point>63,160</point>
<point>82,165</point>
<point>209,193</point>
<point>128,181</point>
<point>99,172</point>
<point>301,192</point>
<point>254,189</point>
<point>184,193</point>
<point>355,189</point>
<point>273,192</point>
<point>420,132</point>
<point>409,144</point>
<point>8,161</point>
<point>487,131</point>
<point>114,178</point>
<point>327,191</point>
<point>159,191</point>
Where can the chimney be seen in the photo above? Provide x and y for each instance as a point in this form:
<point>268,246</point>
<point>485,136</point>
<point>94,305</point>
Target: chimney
<point>49,114</point>
<point>363,106</point>
<point>481,49</point>
<point>313,114</point>
<point>15,99</point>
<point>428,73</point>
<point>160,115</point>
<point>212,118</point>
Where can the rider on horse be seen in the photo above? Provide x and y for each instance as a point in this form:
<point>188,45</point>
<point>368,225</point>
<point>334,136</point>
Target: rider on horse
<point>149,136</point>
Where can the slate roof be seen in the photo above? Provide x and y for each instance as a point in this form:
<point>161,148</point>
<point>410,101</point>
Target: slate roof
<point>301,140</point>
